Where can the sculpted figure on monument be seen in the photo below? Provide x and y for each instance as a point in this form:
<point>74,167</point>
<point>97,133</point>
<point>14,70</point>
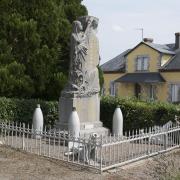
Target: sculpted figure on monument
<point>83,76</point>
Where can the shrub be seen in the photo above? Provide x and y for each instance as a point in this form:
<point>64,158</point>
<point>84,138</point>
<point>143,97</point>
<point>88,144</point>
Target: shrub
<point>137,114</point>
<point>21,110</point>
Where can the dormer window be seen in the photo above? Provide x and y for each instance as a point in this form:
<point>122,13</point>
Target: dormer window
<point>142,63</point>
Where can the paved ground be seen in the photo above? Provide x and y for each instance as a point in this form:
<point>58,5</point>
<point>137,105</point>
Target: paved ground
<point>18,165</point>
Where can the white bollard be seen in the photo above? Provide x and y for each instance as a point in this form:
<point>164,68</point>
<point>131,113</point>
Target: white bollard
<point>74,129</point>
<point>38,121</point>
<point>118,122</point>
<point>74,123</point>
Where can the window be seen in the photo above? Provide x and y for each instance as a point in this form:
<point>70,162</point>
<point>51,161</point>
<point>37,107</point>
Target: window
<point>112,88</point>
<point>175,92</point>
<point>142,63</point>
<point>137,90</point>
<point>152,92</point>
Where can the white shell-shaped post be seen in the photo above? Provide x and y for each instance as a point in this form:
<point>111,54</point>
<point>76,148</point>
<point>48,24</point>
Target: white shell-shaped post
<point>74,123</point>
<point>38,121</point>
<point>118,122</point>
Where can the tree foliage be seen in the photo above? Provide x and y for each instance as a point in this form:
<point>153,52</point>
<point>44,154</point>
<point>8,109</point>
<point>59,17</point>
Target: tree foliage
<point>34,46</point>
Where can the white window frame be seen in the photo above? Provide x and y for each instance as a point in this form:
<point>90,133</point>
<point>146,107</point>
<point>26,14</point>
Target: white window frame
<point>142,63</point>
<point>112,88</point>
<point>175,92</point>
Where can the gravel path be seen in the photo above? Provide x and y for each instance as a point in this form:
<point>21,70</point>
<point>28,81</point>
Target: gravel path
<point>18,165</point>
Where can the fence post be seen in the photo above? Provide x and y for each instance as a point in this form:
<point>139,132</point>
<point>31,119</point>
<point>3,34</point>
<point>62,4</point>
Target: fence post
<point>149,144</point>
<point>5,129</point>
<point>166,141</point>
<point>101,155</point>
<point>49,142</point>
<point>1,132</point>
<point>23,143</point>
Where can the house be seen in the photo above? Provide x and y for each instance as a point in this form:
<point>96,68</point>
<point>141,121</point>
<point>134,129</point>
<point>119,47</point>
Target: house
<point>149,71</point>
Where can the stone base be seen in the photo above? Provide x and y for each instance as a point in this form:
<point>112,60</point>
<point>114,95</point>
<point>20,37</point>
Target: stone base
<point>88,109</point>
<point>84,126</point>
<point>100,131</point>
<point>87,128</point>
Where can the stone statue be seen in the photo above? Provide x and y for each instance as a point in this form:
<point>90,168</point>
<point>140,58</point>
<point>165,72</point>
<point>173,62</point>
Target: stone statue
<point>83,76</point>
<point>82,90</point>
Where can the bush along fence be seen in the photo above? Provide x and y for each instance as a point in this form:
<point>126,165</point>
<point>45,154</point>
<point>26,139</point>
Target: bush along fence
<point>136,114</point>
<point>98,152</point>
<point>21,110</point>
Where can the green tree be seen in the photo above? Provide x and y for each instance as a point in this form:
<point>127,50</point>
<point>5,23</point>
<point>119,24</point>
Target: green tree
<point>13,81</point>
<point>34,40</point>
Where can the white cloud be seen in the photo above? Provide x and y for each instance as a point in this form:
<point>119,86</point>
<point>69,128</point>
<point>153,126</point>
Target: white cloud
<point>117,28</point>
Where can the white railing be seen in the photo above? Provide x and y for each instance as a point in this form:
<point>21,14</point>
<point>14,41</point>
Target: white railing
<point>52,143</point>
<point>139,144</point>
<point>101,153</point>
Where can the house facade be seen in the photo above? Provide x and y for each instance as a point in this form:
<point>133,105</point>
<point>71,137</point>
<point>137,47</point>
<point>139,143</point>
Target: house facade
<point>147,71</point>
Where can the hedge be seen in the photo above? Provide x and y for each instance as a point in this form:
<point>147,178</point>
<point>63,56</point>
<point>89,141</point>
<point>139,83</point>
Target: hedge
<point>138,114</point>
<point>21,110</point>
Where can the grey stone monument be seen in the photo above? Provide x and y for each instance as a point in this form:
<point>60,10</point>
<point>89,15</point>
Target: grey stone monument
<point>82,90</point>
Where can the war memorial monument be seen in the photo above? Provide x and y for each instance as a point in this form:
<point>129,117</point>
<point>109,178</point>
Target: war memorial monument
<point>82,90</point>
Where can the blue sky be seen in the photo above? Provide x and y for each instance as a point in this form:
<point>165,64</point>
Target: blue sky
<point>119,20</point>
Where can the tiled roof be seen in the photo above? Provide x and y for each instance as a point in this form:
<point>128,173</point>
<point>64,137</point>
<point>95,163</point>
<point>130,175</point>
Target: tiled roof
<point>173,64</point>
<point>141,78</point>
<point>164,48</point>
<point>116,64</point>
<point>167,49</point>
<point>171,46</point>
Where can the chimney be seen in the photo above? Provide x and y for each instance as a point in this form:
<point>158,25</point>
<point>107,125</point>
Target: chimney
<point>148,40</point>
<point>177,40</point>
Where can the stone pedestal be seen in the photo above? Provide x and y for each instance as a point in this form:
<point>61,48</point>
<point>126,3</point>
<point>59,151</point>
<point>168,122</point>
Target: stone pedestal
<point>88,109</point>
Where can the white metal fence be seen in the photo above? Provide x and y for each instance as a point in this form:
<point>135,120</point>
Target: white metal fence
<point>101,153</point>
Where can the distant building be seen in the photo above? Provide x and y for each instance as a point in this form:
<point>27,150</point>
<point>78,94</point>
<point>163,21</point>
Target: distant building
<point>149,71</point>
